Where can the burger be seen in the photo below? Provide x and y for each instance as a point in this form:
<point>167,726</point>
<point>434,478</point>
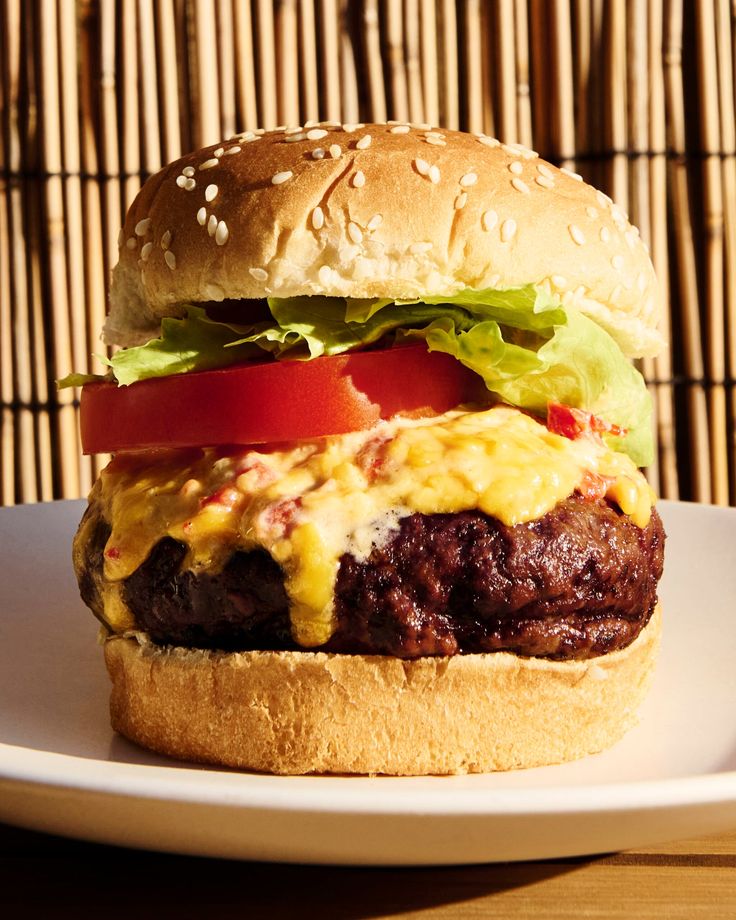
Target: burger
<point>375,503</point>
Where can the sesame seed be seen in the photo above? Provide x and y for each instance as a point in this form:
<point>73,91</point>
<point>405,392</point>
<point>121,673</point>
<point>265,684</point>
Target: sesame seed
<point>210,193</point>
<point>603,199</point>
<point>181,181</point>
<point>364,142</point>
<point>316,134</point>
<point>577,234</point>
<point>294,129</point>
<point>421,126</point>
<point>359,179</point>
<point>143,226</point>
<point>170,259</point>
<point>335,151</point>
<point>630,237</point>
<point>508,229</point>
<point>545,170</point>
<point>231,150</point>
<point>189,185</point>
<point>208,164</point>
<point>524,152</point>
<point>417,248</point>
<point>435,141</point>
<point>592,213</point>
<point>318,218</point>
<point>132,243</point>
<point>280,177</point>
<point>260,131</point>
<point>375,222</point>
<point>146,251</point>
<point>605,234</point>
<point>310,123</point>
<point>318,153</point>
<point>468,179</point>
<point>324,275</point>
<point>488,141</point>
<point>421,166</point>
<point>489,220</point>
<point>348,128</point>
<point>355,233</point>
<point>617,262</point>
<point>219,152</point>
<point>544,181</point>
<point>166,239</point>
<point>188,171</point>
<point>222,233</point>
<point>212,225</point>
<point>259,274</point>
<point>400,129</point>
<point>516,168</point>
<point>202,216</point>
<point>438,134</point>
<point>520,185</point>
<point>461,200</point>
<point>434,174</point>
<point>509,149</point>
<point>294,138</point>
<point>559,281</point>
<point>573,175</point>
<point>246,136</point>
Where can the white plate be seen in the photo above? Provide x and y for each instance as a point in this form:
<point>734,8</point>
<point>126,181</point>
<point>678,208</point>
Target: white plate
<point>63,770</point>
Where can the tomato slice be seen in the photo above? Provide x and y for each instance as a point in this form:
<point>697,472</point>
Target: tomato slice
<point>274,401</point>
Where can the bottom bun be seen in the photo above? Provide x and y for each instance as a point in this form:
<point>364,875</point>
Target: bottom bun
<point>307,712</point>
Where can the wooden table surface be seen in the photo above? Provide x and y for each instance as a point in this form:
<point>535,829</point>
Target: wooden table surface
<point>42,876</point>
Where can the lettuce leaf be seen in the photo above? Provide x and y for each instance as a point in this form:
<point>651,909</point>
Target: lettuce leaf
<point>527,347</point>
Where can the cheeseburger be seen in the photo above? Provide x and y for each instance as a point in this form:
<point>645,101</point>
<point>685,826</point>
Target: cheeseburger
<point>375,503</point>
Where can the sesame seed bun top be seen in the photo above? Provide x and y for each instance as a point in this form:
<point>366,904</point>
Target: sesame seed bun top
<point>376,211</point>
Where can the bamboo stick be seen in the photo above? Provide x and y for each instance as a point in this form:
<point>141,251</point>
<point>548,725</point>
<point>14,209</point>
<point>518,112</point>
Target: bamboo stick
<point>524,129</point>
<point>616,133</point>
<point>663,371</point>
<point>330,61</point>
<point>308,72</point>
<point>131,147</point>
<point>226,69</point>
<point>207,86</point>
<point>564,127</point>
<point>413,61</point>
<point>109,131</point>
<point>727,105</point>
<point>489,88</point>
<point>148,71</point>
<point>287,57</point>
<point>7,435</point>
<point>372,39</point>
<point>450,111</point>
<point>349,103</point>
<point>429,72</point>
<point>539,31</point>
<point>56,254</point>
<point>168,79</point>
<point>399,107</point>
<point>74,235</point>
<point>689,317</point>
<point>508,94</point>
<point>473,66</point>
<point>245,66</point>
<point>713,207</point>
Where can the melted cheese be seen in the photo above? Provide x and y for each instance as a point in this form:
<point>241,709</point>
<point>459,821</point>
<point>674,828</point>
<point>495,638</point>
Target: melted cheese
<point>310,504</point>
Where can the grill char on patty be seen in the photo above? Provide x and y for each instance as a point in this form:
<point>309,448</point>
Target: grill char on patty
<point>578,582</point>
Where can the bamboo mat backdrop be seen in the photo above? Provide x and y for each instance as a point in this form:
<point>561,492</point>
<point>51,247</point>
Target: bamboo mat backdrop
<point>636,95</point>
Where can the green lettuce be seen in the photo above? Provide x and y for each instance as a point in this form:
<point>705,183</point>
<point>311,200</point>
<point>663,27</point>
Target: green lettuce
<point>528,348</point>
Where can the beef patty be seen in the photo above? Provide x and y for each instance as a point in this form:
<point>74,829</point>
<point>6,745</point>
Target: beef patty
<point>578,582</point>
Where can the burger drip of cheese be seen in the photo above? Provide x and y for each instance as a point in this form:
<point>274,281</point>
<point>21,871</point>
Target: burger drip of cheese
<point>310,504</point>
<point>375,503</point>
